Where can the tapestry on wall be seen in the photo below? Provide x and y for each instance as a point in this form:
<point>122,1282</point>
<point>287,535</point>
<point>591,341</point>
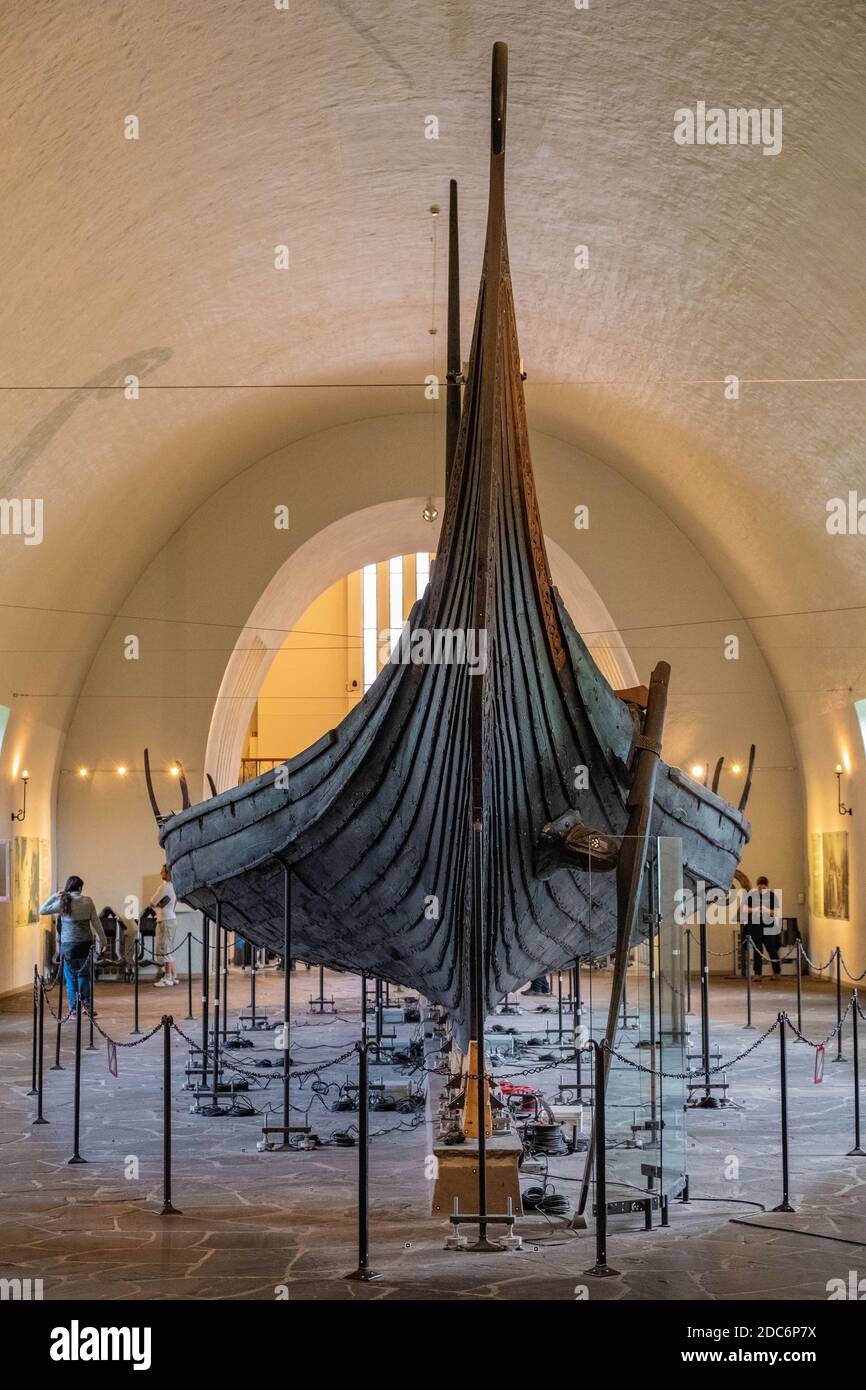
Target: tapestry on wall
<point>26,876</point>
<point>834,865</point>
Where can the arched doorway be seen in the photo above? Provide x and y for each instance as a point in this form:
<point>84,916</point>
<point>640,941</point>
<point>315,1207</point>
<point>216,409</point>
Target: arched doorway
<point>369,536</point>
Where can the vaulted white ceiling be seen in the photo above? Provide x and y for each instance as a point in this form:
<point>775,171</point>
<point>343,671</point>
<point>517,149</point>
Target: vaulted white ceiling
<point>307,128</point>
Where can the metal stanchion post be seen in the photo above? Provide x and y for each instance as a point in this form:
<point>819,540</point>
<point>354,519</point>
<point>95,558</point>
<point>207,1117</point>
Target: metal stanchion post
<point>799,958</point>
<point>559,1001</point>
<point>749,965</point>
<point>578,1025</point>
<point>205,998</point>
<point>378,1012</point>
<point>189,1012</point>
<point>76,1142</point>
<point>785,1204</point>
<point>33,1088</point>
<point>60,979</point>
<point>215,1108</point>
<point>287,996</point>
<point>91,1045</point>
<point>225,1000</point>
<point>857,1150</point>
<point>363,1007</point>
<point>167,1208</point>
<point>363,1273</point>
<point>136,948</point>
<point>40,1118</point>
<point>254,961</point>
<point>838,1057</point>
<point>601,1269</point>
<point>688,970</point>
<point>708,1101</point>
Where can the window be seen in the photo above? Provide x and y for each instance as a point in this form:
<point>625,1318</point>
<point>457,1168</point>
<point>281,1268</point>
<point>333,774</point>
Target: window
<point>422,572</point>
<point>368,623</point>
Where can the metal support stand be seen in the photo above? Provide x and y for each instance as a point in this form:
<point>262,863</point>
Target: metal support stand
<point>205,998</point>
<point>601,1269</point>
<point>749,965</point>
<point>60,979</point>
<point>364,1274</point>
<point>215,1109</point>
<point>379,1007</point>
<point>167,1208</point>
<point>708,1101</point>
<point>799,957</point>
<point>225,999</point>
<point>785,1204</point>
<point>688,970</point>
<point>135,956</point>
<point>839,1057</point>
<point>189,1012</point>
<point>40,1118</point>
<point>91,1045</point>
<point>578,1024</point>
<point>857,1151</point>
<point>33,1087</point>
<point>76,1103</point>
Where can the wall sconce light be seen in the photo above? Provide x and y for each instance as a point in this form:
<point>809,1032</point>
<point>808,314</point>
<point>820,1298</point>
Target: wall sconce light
<point>19,815</point>
<point>82,772</point>
<point>121,771</point>
<point>843,809</point>
<point>174,770</point>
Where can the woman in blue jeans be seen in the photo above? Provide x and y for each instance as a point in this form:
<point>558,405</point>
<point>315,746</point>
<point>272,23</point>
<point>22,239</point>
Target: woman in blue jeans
<point>79,923</point>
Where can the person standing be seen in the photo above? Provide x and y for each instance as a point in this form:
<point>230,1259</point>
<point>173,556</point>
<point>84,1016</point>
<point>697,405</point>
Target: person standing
<point>761,925</point>
<point>164,902</point>
<point>770,909</point>
<point>79,924</point>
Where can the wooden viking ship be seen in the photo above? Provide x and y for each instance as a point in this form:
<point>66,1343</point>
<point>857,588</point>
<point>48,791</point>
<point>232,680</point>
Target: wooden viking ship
<point>435,838</point>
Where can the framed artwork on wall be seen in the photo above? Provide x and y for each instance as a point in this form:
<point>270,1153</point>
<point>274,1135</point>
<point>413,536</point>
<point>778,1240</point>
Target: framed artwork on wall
<point>6,871</point>
<point>834,864</point>
<point>26,860</point>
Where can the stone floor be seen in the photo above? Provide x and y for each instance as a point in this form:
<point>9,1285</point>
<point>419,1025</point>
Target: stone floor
<point>266,1225</point>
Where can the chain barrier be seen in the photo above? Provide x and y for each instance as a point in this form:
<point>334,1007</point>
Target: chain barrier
<point>39,983</point>
<point>277,1074</point>
<point>697,1072</point>
<point>851,977</point>
<point>108,1038</point>
<point>811,964</point>
<point>831,1034</point>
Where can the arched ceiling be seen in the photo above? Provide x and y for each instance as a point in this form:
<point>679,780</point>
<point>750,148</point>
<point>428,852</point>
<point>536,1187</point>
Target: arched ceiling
<point>260,127</point>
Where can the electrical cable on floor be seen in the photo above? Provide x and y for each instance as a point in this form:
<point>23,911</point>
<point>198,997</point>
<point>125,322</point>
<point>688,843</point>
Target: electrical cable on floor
<point>792,1231</point>
<point>548,1203</point>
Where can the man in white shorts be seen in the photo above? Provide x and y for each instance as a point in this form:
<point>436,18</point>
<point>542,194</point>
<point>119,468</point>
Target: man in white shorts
<point>164,901</point>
